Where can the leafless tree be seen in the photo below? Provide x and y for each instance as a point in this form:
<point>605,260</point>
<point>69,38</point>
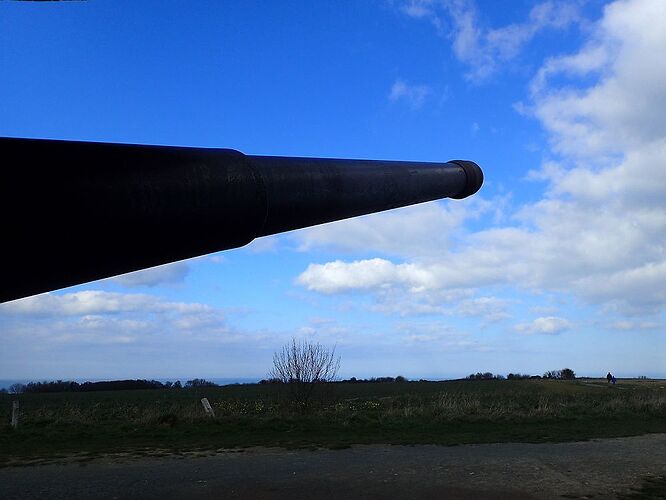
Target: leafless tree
<point>16,388</point>
<point>303,366</point>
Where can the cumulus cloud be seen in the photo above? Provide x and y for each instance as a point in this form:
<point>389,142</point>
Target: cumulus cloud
<point>599,231</point>
<point>424,231</point>
<point>338,276</point>
<point>623,111</point>
<point>458,272</point>
<point>160,275</point>
<point>406,289</point>
<point>482,48</point>
<point>549,325</point>
<point>413,95</point>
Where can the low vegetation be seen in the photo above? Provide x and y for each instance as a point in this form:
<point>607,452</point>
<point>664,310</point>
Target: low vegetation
<point>398,412</point>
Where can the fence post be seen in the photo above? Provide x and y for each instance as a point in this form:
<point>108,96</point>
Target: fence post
<point>15,414</point>
<point>207,407</point>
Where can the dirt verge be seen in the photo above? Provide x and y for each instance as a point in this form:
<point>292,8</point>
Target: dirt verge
<point>602,468</point>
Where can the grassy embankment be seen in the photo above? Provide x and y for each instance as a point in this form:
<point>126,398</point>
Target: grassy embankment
<point>446,413</point>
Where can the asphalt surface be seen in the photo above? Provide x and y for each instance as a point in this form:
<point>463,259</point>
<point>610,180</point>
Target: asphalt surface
<point>591,469</point>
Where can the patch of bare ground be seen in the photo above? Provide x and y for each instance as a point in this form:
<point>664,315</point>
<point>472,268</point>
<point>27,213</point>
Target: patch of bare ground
<point>604,468</point>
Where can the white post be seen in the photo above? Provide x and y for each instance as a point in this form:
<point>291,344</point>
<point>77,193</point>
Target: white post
<point>207,407</point>
<point>15,414</point>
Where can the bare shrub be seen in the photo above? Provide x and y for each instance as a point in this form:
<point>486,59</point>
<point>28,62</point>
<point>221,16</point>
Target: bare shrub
<point>304,366</point>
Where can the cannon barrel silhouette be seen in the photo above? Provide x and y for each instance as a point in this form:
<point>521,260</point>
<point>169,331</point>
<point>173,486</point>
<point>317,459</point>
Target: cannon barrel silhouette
<point>80,211</point>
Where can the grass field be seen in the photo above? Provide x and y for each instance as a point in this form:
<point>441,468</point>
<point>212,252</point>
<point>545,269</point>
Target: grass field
<point>449,413</point>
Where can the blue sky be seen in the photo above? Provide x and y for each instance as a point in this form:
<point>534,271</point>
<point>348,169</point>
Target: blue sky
<point>559,261</point>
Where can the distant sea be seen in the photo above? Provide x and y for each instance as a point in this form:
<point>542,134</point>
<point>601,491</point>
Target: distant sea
<point>4,384</point>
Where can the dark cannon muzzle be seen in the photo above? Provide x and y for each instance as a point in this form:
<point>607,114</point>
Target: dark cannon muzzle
<point>81,211</point>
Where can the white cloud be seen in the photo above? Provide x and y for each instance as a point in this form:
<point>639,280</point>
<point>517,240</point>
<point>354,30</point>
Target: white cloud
<point>306,331</point>
<point>413,95</point>
<point>100,322</point>
<point>101,317</point>
<point>404,289</point>
<point>549,325</point>
<point>438,336</point>
<point>405,231</point>
<point>623,111</point>
<point>489,308</point>
<point>95,302</point>
<point>484,49</point>
<point>599,232</point>
<point>160,275</point>
<point>507,41</point>
<point>211,322</point>
<point>421,9</point>
<point>264,244</point>
<point>338,276</point>
<point>419,301</point>
<point>328,332</point>
<point>544,309</point>
<point>625,325</point>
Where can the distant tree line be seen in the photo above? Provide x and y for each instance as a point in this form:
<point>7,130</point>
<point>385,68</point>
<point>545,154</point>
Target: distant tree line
<point>352,380</point>
<point>484,376</point>
<point>563,374</point>
<point>128,385</point>
<point>110,385</point>
<point>377,380</point>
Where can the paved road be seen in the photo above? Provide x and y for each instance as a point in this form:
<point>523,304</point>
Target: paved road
<point>602,468</point>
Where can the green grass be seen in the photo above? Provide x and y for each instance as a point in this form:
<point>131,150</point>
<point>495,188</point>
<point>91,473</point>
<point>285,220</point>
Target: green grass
<point>447,413</point>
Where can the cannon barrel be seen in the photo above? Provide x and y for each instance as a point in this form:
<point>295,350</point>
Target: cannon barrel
<point>80,211</point>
